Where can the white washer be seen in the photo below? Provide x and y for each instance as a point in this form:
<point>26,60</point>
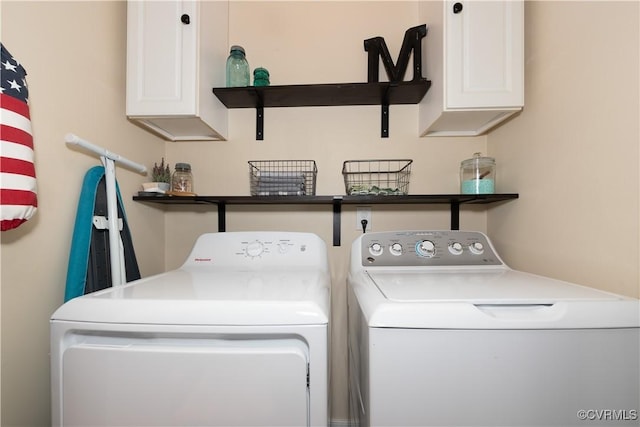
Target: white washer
<point>443,333</point>
<point>238,336</point>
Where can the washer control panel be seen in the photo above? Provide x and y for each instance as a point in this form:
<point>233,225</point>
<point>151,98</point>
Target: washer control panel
<point>427,248</point>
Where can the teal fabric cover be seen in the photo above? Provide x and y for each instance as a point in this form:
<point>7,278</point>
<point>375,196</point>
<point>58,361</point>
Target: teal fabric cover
<point>81,242</point>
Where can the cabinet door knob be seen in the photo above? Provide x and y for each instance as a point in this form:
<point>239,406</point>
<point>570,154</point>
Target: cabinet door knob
<point>457,8</point>
<point>185,19</point>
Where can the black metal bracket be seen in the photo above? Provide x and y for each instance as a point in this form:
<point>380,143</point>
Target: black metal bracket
<point>337,210</point>
<point>259,123</point>
<point>384,121</point>
<point>455,215</point>
<point>259,116</point>
<point>222,216</point>
<point>384,111</point>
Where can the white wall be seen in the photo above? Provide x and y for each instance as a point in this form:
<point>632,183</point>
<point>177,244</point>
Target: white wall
<point>77,84</point>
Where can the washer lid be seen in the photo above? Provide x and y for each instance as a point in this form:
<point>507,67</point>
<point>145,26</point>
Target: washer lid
<point>487,299</point>
<point>205,297</point>
<point>481,287</point>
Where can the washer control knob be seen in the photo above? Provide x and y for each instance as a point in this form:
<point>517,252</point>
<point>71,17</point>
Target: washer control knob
<point>375,249</point>
<point>476,248</point>
<point>426,248</point>
<point>396,249</point>
<point>255,249</point>
<point>455,248</point>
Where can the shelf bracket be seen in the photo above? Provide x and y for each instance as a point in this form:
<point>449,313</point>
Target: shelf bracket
<point>259,123</point>
<point>259,116</point>
<point>337,210</point>
<point>384,131</point>
<point>455,215</point>
<point>222,217</point>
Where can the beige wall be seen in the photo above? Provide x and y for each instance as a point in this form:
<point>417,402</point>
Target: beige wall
<point>77,85</point>
<point>573,153</point>
<point>74,55</point>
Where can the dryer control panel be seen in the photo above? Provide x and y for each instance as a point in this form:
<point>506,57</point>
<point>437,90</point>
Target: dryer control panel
<point>427,248</point>
<point>258,249</point>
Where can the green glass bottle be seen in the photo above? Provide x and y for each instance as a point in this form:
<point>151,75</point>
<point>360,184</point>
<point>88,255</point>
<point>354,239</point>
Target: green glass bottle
<point>260,77</point>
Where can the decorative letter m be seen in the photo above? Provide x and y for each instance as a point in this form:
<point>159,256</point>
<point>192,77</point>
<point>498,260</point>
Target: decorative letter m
<point>377,47</point>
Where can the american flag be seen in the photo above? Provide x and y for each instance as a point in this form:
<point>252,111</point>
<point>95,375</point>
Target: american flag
<point>18,200</point>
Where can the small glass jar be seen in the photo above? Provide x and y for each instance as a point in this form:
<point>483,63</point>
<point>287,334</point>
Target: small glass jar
<point>478,175</point>
<point>182,178</point>
<point>238,73</point>
<point>261,77</point>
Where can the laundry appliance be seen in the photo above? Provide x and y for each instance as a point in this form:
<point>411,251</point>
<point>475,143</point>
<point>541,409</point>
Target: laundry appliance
<point>443,333</point>
<point>237,336</point>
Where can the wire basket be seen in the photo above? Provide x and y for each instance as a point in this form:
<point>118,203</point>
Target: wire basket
<point>377,177</point>
<point>282,177</point>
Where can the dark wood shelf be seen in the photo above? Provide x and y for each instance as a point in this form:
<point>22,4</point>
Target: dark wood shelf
<point>454,200</point>
<point>324,95</point>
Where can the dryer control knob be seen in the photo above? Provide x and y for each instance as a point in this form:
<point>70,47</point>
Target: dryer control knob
<point>375,249</point>
<point>396,249</point>
<point>255,249</point>
<point>476,248</point>
<point>426,248</point>
<point>455,248</point>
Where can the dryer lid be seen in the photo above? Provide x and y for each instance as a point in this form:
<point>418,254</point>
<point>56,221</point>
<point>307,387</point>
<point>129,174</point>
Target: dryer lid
<point>275,296</point>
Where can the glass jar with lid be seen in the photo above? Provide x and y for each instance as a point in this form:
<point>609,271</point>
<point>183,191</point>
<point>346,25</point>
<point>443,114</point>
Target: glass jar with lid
<point>478,175</point>
<point>238,74</point>
<point>182,178</point>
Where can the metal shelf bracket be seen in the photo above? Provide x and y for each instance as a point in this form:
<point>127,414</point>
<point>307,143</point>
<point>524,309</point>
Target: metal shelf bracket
<point>337,211</point>
<point>259,123</point>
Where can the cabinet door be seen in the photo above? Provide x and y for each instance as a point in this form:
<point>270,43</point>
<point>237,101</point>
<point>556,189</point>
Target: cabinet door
<point>161,57</point>
<point>484,54</point>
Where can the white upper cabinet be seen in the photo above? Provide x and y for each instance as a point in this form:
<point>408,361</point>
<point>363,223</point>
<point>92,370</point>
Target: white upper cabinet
<point>474,56</point>
<point>176,55</point>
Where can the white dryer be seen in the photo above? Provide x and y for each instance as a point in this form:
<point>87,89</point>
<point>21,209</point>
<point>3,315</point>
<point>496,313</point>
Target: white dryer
<point>443,333</point>
<point>238,336</point>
